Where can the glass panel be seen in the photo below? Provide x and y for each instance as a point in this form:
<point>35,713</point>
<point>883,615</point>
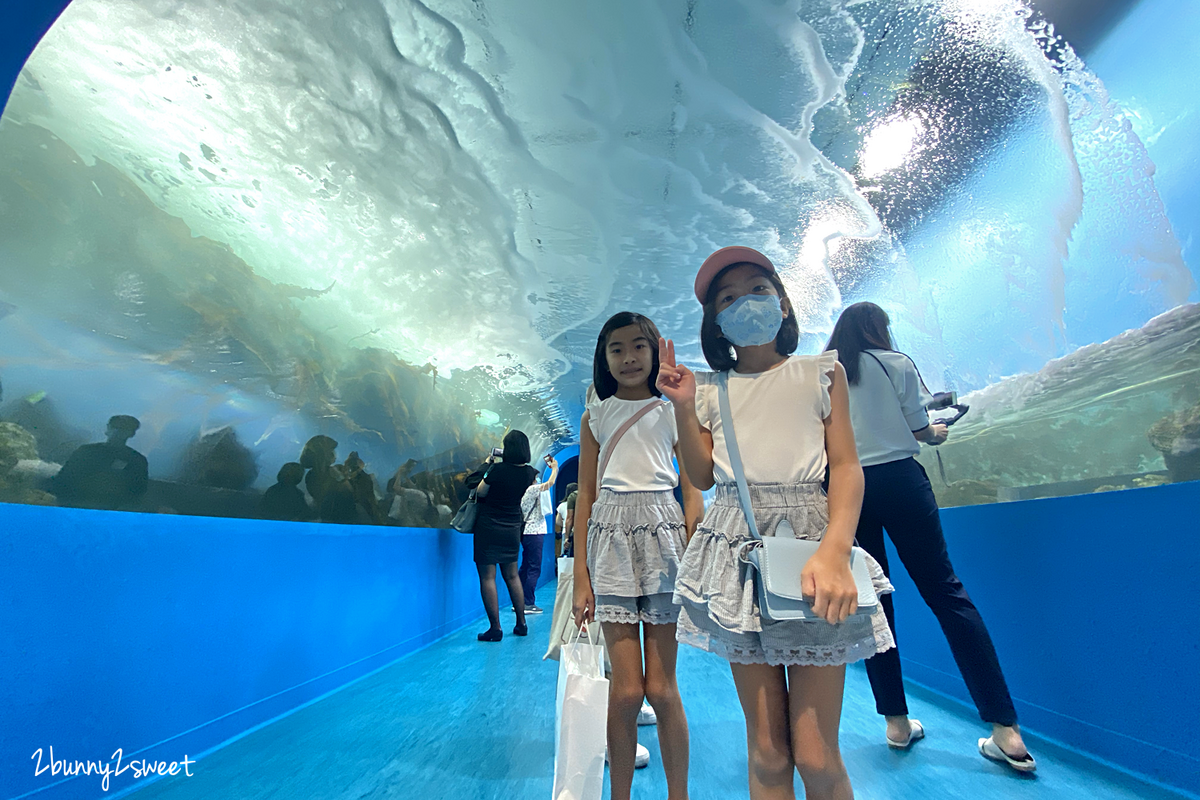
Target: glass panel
<point>401,226</point>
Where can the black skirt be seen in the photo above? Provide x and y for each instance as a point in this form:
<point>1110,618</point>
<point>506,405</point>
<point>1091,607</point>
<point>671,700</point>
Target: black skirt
<point>496,542</point>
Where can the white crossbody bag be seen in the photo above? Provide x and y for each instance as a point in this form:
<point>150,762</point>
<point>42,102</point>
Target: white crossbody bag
<point>778,560</point>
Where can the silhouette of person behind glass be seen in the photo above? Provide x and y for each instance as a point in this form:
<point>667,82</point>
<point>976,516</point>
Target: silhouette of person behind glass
<point>317,457</point>
<point>363,486</point>
<point>284,500</point>
<point>109,475</point>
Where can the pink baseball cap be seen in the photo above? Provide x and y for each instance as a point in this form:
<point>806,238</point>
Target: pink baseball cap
<point>725,257</point>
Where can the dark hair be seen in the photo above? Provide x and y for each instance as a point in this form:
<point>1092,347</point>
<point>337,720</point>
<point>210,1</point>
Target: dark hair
<point>516,448</point>
<point>862,326</point>
<point>318,449</point>
<point>571,487</point>
<point>290,473</point>
<point>124,422</point>
<point>602,379</point>
<point>718,351</point>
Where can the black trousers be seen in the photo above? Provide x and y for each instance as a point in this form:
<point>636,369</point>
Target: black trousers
<point>900,500</point>
<point>531,563</point>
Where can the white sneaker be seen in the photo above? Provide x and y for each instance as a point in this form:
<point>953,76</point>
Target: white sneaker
<point>641,757</point>
<point>647,716</point>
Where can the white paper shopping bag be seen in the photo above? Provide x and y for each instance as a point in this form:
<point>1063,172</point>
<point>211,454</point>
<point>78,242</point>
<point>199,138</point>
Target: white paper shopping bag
<point>581,722</point>
<point>562,621</point>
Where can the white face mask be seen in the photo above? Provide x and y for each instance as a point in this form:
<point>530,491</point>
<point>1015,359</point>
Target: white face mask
<point>751,320</point>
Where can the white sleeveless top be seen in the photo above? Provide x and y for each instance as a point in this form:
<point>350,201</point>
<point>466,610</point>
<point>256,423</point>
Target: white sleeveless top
<point>644,459</point>
<point>778,416</point>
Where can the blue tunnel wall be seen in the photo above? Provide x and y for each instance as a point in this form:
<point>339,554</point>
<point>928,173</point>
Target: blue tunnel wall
<point>1086,599</point>
<point>167,636</point>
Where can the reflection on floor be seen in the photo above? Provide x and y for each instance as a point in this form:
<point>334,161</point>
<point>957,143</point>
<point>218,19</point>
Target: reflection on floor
<point>467,720</point>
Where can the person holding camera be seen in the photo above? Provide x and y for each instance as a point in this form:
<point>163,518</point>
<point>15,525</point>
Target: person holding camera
<point>533,537</point>
<point>888,408</point>
<point>498,525</point>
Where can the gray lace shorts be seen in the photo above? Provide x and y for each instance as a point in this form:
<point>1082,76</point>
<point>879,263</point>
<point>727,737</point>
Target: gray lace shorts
<point>719,604</point>
<point>635,541</point>
<point>654,609</point>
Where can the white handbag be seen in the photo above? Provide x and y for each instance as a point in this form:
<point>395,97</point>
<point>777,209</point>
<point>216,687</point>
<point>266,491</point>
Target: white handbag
<point>779,560</point>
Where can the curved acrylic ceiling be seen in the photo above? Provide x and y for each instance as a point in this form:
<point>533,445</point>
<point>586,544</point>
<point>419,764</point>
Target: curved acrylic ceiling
<point>481,184</point>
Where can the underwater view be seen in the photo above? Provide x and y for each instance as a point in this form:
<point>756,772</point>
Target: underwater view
<point>368,238</point>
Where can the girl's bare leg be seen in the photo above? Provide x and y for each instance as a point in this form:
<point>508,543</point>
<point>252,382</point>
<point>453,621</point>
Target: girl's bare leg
<point>763,692</point>
<point>815,710</point>
<point>663,693</point>
<point>625,695</point>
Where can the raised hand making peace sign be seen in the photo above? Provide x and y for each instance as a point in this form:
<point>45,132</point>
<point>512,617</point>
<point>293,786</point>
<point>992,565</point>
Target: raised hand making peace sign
<point>676,381</point>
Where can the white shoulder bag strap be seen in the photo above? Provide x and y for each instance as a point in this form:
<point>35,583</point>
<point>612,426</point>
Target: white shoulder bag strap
<point>735,457</point>
<point>611,444</point>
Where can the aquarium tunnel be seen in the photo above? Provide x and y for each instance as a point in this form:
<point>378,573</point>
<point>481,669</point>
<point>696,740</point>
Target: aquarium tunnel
<point>276,278</point>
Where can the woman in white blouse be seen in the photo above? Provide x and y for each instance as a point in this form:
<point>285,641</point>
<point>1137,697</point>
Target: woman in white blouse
<point>888,410</point>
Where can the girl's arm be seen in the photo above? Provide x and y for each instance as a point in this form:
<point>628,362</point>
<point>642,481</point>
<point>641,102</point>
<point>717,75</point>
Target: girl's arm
<point>826,577</point>
<point>589,455</point>
<point>693,501</point>
<point>695,443</point>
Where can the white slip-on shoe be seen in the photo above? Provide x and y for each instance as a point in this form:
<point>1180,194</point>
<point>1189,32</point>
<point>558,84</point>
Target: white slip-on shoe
<point>992,752</point>
<point>647,716</point>
<point>916,733</point>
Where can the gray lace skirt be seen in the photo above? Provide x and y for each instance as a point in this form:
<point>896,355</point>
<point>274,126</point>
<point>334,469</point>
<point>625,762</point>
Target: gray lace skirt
<point>719,604</point>
<point>634,543</point>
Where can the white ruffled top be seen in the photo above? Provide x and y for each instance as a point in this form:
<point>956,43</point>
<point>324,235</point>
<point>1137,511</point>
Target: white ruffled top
<point>779,418</point>
<point>644,458</point>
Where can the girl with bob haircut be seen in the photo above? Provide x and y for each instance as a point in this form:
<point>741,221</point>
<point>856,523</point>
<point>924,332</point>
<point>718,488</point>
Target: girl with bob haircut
<point>888,403</point>
<point>629,537</point>
<point>792,418</point>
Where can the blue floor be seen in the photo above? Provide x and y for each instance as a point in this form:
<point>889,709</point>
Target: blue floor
<point>465,720</point>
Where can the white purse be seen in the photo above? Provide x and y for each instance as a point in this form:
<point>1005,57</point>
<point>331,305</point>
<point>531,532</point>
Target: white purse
<point>778,560</point>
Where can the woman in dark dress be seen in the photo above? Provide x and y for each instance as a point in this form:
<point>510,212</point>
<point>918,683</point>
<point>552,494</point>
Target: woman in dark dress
<point>498,525</point>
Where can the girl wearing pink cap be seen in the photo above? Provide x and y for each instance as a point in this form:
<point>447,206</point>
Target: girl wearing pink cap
<point>792,419</point>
